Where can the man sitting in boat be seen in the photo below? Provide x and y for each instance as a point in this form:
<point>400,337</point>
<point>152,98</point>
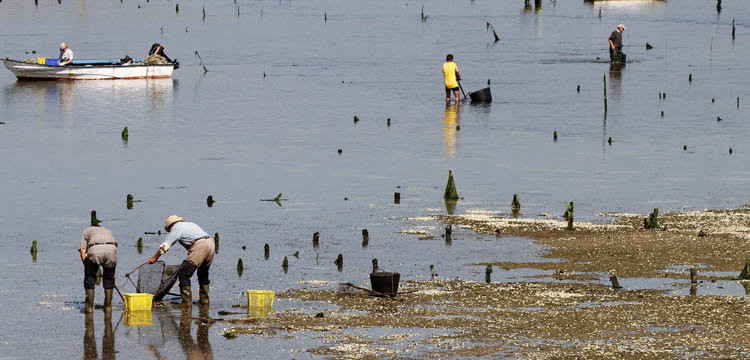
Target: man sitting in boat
<point>66,55</point>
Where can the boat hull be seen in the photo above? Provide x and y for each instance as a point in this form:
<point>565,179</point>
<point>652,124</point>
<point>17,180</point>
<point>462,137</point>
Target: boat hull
<point>28,71</point>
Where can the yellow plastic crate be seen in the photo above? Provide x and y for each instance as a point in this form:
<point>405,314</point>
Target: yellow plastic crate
<point>41,60</point>
<point>259,312</point>
<point>260,298</point>
<point>138,301</point>
<point>139,318</point>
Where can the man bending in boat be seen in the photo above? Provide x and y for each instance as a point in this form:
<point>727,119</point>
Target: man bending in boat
<point>66,55</point>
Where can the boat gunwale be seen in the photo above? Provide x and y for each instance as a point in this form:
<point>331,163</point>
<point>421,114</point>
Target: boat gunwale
<point>88,66</point>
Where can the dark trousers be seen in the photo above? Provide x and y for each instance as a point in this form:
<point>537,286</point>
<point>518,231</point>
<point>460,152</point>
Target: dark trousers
<point>615,55</point>
<point>89,275</point>
<point>187,270</point>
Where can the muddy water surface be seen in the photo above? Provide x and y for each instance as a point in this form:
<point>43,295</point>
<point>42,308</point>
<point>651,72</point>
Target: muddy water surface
<point>278,102</point>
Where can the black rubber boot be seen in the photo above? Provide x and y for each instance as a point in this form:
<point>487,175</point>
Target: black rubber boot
<point>89,300</point>
<point>204,300</point>
<point>107,300</point>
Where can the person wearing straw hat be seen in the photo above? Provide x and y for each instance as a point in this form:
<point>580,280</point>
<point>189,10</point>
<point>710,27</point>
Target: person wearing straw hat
<point>66,55</point>
<point>615,44</point>
<point>98,247</point>
<point>200,249</point>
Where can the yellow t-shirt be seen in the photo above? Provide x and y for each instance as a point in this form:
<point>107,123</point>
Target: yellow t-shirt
<point>449,70</point>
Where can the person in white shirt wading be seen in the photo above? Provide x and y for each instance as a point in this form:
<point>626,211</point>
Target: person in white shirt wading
<point>200,255</point>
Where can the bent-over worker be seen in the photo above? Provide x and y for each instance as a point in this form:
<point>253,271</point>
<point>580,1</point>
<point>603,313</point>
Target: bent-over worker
<point>66,55</point>
<point>98,248</point>
<point>615,43</point>
<point>200,255</point>
<point>452,77</point>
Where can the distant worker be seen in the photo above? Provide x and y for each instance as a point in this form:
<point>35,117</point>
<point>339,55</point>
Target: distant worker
<point>200,255</point>
<point>66,55</point>
<point>98,248</point>
<point>615,44</point>
<point>452,77</point>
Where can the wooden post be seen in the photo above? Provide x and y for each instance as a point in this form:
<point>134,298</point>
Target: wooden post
<point>129,201</point>
<point>210,201</point>
<point>124,134</point>
<point>240,267</point>
<point>537,4</point>
<point>569,215</point>
<point>285,264</point>
<point>216,243</point>
<point>339,262</point>
<point>615,283</point>
<point>487,274</point>
<point>450,188</point>
<point>94,220</point>
<point>316,239</point>
<point>374,265</point>
<point>139,245</point>
<point>515,205</point>
<point>365,238</point>
<point>605,92</point>
<point>432,272</point>
<point>397,198</point>
<point>693,275</point>
<point>266,251</point>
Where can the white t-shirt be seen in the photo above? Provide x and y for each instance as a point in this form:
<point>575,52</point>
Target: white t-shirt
<point>67,55</point>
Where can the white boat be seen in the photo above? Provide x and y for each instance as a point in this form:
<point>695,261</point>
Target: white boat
<point>31,71</point>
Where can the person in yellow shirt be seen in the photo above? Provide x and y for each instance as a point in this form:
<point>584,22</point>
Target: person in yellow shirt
<point>450,71</point>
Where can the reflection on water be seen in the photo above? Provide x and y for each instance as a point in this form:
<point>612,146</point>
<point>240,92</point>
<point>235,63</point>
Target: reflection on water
<point>89,338</point>
<point>449,129</point>
<point>615,77</point>
<point>179,327</point>
<point>627,5</point>
<point>52,95</point>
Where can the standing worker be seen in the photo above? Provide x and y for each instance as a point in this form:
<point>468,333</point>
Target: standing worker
<point>615,45</point>
<point>200,255</point>
<point>98,248</point>
<point>66,55</point>
<point>452,77</point>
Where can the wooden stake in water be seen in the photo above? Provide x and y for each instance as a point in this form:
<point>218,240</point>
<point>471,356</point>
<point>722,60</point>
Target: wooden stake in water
<point>139,245</point>
<point>568,215</point>
<point>339,262</point>
<point>266,251</point>
<point>450,188</point>
<point>124,134</point>
<point>487,274</point>
<point>693,275</point>
<point>285,264</point>
<point>177,8</point>
<point>733,29</point>
<point>653,220</point>
<point>554,136</point>
<point>129,201</point>
<point>210,201</point>
<point>604,79</point>
<point>204,13</point>
<point>432,272</point>
<point>397,198</point>
<point>216,243</point>
<point>240,267</point>
<point>94,220</point>
<point>316,239</point>
<point>365,238</point>
<point>615,283</point>
<point>374,265</point>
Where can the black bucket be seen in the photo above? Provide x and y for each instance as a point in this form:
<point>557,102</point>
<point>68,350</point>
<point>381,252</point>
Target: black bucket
<point>385,282</point>
<point>483,95</point>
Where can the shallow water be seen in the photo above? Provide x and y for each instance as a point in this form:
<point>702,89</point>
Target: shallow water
<point>239,136</point>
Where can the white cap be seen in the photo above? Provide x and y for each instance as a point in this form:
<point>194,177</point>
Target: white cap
<point>621,26</point>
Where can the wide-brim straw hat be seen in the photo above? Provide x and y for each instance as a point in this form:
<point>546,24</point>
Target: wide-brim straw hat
<point>63,45</point>
<point>171,220</point>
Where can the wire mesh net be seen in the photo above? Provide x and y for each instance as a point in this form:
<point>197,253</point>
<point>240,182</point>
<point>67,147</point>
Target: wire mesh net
<point>157,279</point>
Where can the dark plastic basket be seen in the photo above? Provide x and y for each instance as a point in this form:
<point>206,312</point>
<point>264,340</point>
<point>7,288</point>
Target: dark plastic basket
<point>483,95</point>
<point>385,282</point>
